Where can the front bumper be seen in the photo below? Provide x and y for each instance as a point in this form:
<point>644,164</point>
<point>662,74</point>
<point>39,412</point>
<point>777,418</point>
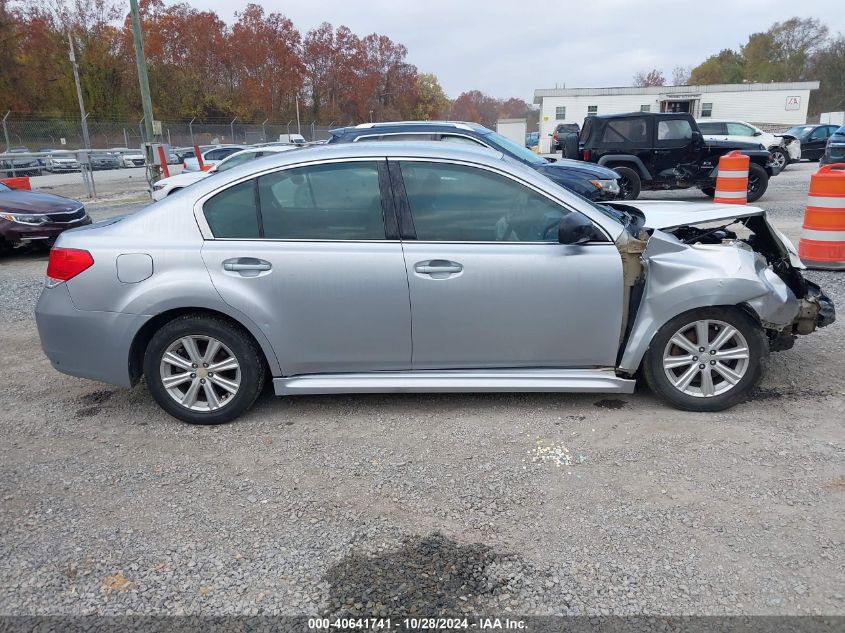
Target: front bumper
<point>15,232</point>
<point>817,310</point>
<point>86,344</point>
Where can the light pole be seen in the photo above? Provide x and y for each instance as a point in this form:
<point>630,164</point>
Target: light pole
<point>144,83</point>
<point>75,66</point>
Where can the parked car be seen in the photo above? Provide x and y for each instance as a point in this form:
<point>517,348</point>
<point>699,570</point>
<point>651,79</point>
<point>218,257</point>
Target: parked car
<point>532,139</point>
<point>402,267</point>
<point>172,184</point>
<point>591,181</point>
<point>784,148</point>
<point>666,151</point>
<point>813,139</point>
<point>133,158</point>
<point>211,157</point>
<point>835,150</point>
<point>61,160</point>
<point>295,139</point>
<point>104,160</point>
<point>34,217</point>
<point>23,166</point>
<point>562,129</point>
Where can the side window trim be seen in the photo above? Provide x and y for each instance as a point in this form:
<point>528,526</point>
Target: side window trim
<point>406,221</point>
<point>388,202</point>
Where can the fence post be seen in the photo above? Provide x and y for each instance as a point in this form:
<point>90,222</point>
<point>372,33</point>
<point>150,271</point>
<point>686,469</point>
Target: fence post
<point>141,128</point>
<point>232,128</point>
<point>125,138</point>
<point>264,131</point>
<point>289,122</point>
<point>6,130</point>
<point>191,130</point>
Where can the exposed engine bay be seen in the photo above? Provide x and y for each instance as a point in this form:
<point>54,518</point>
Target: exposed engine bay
<point>678,257</point>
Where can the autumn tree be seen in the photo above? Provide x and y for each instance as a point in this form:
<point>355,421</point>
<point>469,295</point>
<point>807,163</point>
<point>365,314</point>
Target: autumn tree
<point>651,78</point>
<point>726,67</point>
<point>681,75</point>
<point>431,101</point>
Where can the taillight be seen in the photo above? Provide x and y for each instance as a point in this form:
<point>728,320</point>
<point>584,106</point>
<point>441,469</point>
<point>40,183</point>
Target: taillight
<point>554,136</point>
<point>585,154</point>
<point>184,164</point>
<point>67,263</point>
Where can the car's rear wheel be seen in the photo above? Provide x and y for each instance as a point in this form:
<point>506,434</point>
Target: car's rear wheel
<point>708,359</point>
<point>203,369</point>
<point>629,183</point>
<point>758,182</point>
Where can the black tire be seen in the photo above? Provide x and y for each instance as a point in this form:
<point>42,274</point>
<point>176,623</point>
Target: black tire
<point>758,182</point>
<point>710,192</point>
<point>780,159</point>
<point>758,348</point>
<point>248,355</point>
<point>629,183</point>
<point>570,145</point>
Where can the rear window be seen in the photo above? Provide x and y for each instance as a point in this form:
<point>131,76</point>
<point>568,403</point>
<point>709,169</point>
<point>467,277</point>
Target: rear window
<point>710,128</point>
<point>233,213</point>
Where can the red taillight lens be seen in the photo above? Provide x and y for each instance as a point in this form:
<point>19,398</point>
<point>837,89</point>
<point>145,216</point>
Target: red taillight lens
<point>67,263</point>
<point>585,154</point>
<point>554,136</point>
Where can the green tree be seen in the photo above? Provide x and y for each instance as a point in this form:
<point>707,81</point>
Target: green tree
<point>726,67</point>
<point>432,102</point>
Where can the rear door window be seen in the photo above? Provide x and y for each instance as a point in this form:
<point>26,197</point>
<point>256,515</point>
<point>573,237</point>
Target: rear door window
<point>709,127</point>
<point>233,213</point>
<point>333,201</point>
<point>740,129</point>
<point>673,132</point>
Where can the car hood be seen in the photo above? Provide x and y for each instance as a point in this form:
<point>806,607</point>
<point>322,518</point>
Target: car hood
<point>36,202</point>
<point>184,179</point>
<point>668,215</point>
<point>742,145</point>
<point>63,159</point>
<point>566,166</point>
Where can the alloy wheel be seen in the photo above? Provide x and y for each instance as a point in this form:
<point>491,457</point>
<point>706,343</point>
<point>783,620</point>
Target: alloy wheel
<point>779,160</point>
<point>200,373</point>
<point>706,358</point>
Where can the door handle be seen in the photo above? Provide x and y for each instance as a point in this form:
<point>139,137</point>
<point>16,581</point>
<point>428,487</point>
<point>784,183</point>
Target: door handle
<point>437,266</point>
<point>247,266</point>
<point>235,266</point>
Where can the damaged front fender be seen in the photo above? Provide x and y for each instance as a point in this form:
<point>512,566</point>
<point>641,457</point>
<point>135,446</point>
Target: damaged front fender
<point>681,277</point>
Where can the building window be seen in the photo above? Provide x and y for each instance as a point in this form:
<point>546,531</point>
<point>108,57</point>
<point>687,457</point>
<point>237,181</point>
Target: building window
<point>592,110</point>
<point>560,113</point>
<point>706,109</point>
<point>645,108</point>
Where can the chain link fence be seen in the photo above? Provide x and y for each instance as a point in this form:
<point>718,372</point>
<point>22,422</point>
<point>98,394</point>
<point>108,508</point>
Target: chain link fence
<point>35,134</point>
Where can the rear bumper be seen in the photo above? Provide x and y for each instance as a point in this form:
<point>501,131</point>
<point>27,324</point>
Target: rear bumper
<point>91,345</point>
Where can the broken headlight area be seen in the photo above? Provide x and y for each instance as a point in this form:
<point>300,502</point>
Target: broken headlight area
<point>815,308</point>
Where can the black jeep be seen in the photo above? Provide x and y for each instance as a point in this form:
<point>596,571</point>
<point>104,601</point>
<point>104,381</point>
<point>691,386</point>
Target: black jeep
<point>664,151</point>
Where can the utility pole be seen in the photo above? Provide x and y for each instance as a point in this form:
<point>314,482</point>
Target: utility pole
<point>85,139</point>
<point>143,80</point>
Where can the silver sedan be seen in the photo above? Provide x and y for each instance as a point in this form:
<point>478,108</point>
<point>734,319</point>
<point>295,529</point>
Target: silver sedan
<point>390,267</point>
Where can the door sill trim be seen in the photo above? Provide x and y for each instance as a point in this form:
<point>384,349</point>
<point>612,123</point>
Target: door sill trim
<point>445,381</point>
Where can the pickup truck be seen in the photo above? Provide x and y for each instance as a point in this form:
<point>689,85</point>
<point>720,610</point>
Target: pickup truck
<point>666,151</point>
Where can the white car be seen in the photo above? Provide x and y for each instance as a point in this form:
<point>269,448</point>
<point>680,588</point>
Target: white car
<point>211,157</point>
<point>784,149</point>
<point>61,161</point>
<point>132,159</point>
<point>166,186</point>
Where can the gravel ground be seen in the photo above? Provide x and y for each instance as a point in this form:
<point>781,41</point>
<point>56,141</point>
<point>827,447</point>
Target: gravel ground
<point>423,504</point>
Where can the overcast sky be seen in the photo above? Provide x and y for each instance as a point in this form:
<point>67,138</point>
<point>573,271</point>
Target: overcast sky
<point>509,48</point>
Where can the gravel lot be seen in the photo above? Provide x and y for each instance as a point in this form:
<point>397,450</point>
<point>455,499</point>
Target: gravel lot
<point>422,504</point>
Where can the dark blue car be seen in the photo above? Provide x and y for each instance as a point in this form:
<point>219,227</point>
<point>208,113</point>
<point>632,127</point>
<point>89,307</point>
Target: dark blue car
<point>834,151</point>
<point>594,182</point>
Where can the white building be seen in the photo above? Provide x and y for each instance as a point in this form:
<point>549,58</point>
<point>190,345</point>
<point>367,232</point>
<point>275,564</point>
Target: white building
<point>772,104</point>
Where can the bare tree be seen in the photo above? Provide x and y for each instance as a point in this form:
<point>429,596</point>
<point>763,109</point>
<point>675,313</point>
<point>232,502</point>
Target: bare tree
<point>680,75</point>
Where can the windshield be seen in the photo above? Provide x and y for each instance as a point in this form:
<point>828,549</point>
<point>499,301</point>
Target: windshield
<point>4,187</point>
<point>520,152</point>
<point>799,130</point>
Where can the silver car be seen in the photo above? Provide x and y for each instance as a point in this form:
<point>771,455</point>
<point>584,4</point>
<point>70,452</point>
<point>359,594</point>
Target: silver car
<point>419,267</point>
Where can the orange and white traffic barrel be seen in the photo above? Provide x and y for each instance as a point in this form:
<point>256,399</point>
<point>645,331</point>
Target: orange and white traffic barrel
<point>732,178</point>
<point>822,243</point>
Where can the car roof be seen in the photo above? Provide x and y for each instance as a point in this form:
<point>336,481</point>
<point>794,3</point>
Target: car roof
<point>625,115</point>
<point>709,120</point>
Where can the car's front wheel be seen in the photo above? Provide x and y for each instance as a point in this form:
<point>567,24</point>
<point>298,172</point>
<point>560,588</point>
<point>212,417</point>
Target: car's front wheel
<point>779,159</point>
<point>708,359</point>
<point>203,369</point>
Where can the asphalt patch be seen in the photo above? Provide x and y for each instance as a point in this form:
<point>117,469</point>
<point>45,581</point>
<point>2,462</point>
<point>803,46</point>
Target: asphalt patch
<point>97,397</point>
<point>610,403</point>
<point>427,576</point>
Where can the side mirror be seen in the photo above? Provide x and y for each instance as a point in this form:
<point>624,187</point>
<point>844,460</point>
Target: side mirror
<point>696,136</point>
<point>575,228</point>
